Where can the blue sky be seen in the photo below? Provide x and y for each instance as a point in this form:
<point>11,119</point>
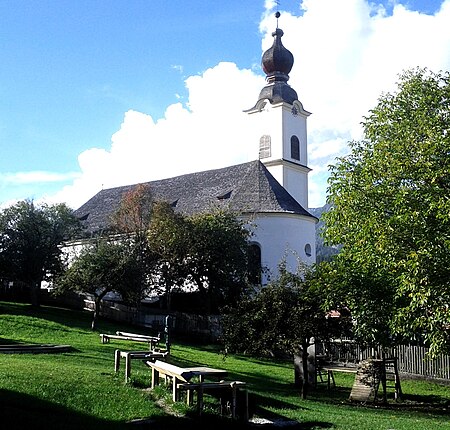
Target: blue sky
<point>101,93</point>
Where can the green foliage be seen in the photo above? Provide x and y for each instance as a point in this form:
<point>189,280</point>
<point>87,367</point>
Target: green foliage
<point>30,242</point>
<point>205,251</point>
<point>369,298</point>
<point>105,267</point>
<point>391,209</point>
<point>218,251</point>
<point>168,239</point>
<point>282,318</point>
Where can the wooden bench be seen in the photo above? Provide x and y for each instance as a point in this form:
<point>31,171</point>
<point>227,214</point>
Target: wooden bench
<point>151,340</point>
<point>181,380</point>
<point>221,389</point>
<point>328,372</point>
<point>177,374</point>
<point>131,355</point>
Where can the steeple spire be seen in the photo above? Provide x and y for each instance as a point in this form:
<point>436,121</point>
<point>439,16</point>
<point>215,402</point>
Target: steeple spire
<point>279,122</point>
<point>276,63</point>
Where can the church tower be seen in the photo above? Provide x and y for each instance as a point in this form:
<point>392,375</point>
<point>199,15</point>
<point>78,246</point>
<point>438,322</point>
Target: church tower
<point>281,122</point>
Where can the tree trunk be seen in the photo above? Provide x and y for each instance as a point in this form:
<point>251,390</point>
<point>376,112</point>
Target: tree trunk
<point>168,298</point>
<point>305,386</point>
<point>97,301</point>
<point>35,287</point>
<point>302,369</point>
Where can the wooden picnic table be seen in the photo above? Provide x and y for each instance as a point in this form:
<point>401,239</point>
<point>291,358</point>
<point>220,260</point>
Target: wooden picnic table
<point>182,374</point>
<point>204,372</point>
<point>182,380</point>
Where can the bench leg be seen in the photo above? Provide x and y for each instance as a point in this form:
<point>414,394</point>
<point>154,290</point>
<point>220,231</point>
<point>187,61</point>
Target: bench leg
<point>330,378</point>
<point>127,367</point>
<point>116,360</point>
<point>189,395</point>
<point>246,405</point>
<point>174,389</point>
<point>200,399</point>
<point>233,401</point>
<point>155,378</point>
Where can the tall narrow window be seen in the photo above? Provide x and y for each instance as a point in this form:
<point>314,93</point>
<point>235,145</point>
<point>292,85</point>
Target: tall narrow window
<point>265,146</point>
<point>295,148</point>
<point>254,264</point>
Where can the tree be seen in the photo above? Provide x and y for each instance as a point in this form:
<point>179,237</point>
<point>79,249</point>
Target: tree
<point>218,257</point>
<point>105,267</point>
<point>369,295</point>
<point>284,316</point>
<point>122,263</point>
<point>134,214</point>
<point>390,210</point>
<point>207,252</point>
<point>168,239</point>
<point>30,243</point>
<point>131,222</point>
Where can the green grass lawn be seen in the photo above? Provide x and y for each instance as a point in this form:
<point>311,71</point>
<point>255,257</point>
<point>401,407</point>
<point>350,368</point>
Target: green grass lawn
<point>79,390</point>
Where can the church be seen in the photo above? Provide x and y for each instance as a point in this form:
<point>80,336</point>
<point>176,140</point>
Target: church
<point>271,192</point>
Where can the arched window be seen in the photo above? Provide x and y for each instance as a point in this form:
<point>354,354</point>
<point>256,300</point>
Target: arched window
<point>308,250</point>
<point>295,148</point>
<point>265,150</point>
<point>254,264</point>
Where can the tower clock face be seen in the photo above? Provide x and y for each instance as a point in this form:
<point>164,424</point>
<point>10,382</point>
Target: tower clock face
<point>294,111</point>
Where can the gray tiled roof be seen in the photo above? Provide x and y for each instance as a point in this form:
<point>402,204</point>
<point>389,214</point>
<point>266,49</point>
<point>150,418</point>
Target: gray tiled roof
<point>243,188</point>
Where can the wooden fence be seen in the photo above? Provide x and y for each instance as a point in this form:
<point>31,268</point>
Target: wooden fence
<point>412,359</point>
<point>202,327</point>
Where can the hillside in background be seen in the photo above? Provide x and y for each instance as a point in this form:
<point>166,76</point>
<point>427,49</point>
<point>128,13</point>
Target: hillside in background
<point>323,252</point>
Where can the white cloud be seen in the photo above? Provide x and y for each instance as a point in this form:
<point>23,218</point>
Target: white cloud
<point>346,53</point>
<point>210,132</point>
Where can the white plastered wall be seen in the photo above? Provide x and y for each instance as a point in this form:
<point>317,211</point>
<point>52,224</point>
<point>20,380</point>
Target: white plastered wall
<point>284,236</point>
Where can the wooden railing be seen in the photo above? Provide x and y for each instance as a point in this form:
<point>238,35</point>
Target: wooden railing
<point>412,359</point>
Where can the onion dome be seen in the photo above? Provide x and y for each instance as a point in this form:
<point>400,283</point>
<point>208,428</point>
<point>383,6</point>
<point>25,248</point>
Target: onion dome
<point>277,62</point>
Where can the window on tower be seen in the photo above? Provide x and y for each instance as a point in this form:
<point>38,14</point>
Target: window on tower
<point>295,148</point>
<point>265,146</point>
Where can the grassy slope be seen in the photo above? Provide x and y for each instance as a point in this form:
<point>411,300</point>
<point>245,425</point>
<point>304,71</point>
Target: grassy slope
<point>79,389</point>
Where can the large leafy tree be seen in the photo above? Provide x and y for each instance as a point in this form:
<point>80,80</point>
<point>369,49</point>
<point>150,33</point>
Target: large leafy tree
<point>134,214</point>
<point>168,239</point>
<point>30,243</point>
<point>282,318</point>
<point>218,257</point>
<point>391,208</point>
<point>207,252</point>
<point>103,267</point>
<point>131,222</point>
<point>123,263</point>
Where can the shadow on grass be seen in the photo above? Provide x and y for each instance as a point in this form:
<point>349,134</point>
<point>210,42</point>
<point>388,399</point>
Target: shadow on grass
<point>66,317</point>
<point>71,318</point>
<point>22,411</point>
<point>212,422</point>
<point>256,380</point>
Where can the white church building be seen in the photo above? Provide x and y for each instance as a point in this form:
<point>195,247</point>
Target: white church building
<point>270,192</point>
